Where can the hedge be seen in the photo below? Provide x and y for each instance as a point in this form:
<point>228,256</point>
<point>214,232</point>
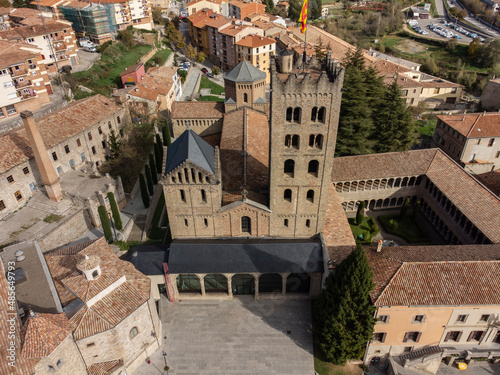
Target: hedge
<point>115,211</point>
<point>106,226</point>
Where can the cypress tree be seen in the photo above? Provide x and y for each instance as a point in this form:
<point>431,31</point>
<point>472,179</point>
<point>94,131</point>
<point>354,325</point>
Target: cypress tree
<point>359,213</point>
<point>160,144</point>
<point>115,211</point>
<point>106,227</point>
<point>404,209</point>
<point>343,313</point>
<point>149,179</point>
<point>158,158</point>
<point>144,191</point>
<point>167,141</point>
<point>393,122</point>
<point>153,169</point>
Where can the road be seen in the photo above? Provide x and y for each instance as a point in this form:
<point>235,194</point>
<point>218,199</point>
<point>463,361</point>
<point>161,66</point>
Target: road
<point>471,20</point>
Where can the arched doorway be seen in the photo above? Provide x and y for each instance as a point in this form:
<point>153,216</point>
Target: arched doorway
<point>298,283</point>
<point>270,283</point>
<point>188,283</point>
<point>243,284</point>
<point>215,283</point>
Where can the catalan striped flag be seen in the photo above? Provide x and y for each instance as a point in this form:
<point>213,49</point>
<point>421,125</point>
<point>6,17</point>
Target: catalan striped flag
<point>303,18</point>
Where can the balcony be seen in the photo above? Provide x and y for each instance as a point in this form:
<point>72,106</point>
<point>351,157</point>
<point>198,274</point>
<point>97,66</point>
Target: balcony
<point>56,38</point>
<point>26,95</point>
<point>18,73</point>
<point>19,85</point>
<point>60,46</point>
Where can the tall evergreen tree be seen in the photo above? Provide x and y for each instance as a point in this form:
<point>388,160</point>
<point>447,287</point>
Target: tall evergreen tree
<point>393,122</point>
<point>158,158</point>
<point>152,163</point>
<point>375,87</point>
<point>144,191</point>
<point>295,6</point>
<point>106,226</point>
<point>149,179</point>
<point>167,141</point>
<point>115,211</point>
<point>343,313</point>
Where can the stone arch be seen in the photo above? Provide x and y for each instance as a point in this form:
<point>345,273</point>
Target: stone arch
<point>289,167</point>
<point>322,114</point>
<point>243,284</point>
<point>188,283</point>
<point>297,114</point>
<point>289,114</point>
<point>313,168</point>
<point>270,283</point>
<point>215,283</point>
<point>338,187</point>
<point>314,113</point>
<point>298,283</point>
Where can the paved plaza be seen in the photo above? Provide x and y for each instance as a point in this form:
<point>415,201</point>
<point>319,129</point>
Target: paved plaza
<point>242,336</point>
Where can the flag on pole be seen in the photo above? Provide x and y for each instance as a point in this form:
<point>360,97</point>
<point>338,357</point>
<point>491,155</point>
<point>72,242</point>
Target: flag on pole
<point>303,18</point>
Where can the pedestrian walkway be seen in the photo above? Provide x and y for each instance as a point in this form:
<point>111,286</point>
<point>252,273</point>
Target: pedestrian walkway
<point>190,84</point>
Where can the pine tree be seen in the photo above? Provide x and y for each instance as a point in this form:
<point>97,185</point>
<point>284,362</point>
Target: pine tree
<point>158,158</point>
<point>343,313</point>
<point>393,122</point>
<point>295,6</point>
<point>167,141</point>
<point>144,191</point>
<point>359,213</point>
<point>149,179</point>
<point>152,163</point>
<point>106,227</point>
<point>115,211</point>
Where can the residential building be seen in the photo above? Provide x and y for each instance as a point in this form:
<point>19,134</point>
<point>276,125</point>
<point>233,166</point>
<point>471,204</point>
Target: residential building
<point>490,97</point>
<point>51,6</point>
<point>227,39</point>
<point>133,74</point>
<point>13,17</point>
<point>324,12</point>
<point>217,6</point>
<point>429,296</point>
<point>422,13</point>
<point>258,51</point>
<point>26,85</point>
<point>213,26</point>
<point>241,9</point>
<point>198,29</point>
<point>55,38</point>
<point>48,147</point>
<point>472,140</point>
<point>270,28</point>
<point>282,8</point>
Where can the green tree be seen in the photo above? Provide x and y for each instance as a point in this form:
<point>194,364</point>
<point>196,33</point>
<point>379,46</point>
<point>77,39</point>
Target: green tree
<point>5,4</point>
<point>115,144</point>
<point>359,213</point>
<point>167,141</point>
<point>158,18</point>
<point>190,51</point>
<point>295,6</point>
<point>106,226</point>
<point>393,122</point>
<point>160,143</point>
<point>149,179</point>
<point>474,49</point>
<point>152,163</point>
<point>176,61</point>
<point>144,191</point>
<point>314,9</point>
<point>451,45</point>
<point>343,313</point>
<point>404,209</point>
<point>115,211</point>
<point>126,36</point>
<point>320,50</point>
<point>215,70</point>
<point>158,158</point>
<point>200,57</point>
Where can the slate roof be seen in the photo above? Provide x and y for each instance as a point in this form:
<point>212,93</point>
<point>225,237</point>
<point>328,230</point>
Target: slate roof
<point>244,72</point>
<point>474,125</point>
<point>190,146</point>
<point>243,256</point>
<point>148,259</point>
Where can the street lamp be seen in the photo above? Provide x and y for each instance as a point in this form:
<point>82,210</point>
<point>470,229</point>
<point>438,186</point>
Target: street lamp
<point>166,368</point>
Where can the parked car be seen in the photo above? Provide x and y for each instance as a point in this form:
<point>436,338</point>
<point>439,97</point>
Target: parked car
<point>65,69</point>
<point>90,49</point>
<point>210,75</point>
<point>204,70</point>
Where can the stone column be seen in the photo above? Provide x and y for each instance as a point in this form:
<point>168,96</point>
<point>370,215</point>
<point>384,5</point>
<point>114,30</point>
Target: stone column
<point>283,281</point>
<point>229,278</point>
<point>256,279</point>
<point>202,284</point>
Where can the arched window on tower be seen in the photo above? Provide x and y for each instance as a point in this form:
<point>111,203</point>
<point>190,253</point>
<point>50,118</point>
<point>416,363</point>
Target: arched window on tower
<point>310,196</point>
<point>313,168</point>
<point>288,140</point>
<point>295,141</point>
<point>289,168</point>
<point>311,140</point>
<point>318,142</point>
<point>297,112</point>
<point>287,195</point>
<point>245,97</point>
<point>289,114</point>
<point>314,113</point>
<point>322,115</point>
<point>246,224</point>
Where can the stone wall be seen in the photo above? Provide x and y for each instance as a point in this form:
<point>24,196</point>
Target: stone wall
<point>65,359</point>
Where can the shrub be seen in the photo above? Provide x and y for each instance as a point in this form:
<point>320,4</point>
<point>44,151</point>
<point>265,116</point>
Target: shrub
<point>144,191</point>
<point>149,179</point>
<point>393,224</point>
<point>153,169</point>
<point>375,230</point>
<point>359,213</point>
<point>106,227</point>
<point>167,141</point>
<point>115,211</point>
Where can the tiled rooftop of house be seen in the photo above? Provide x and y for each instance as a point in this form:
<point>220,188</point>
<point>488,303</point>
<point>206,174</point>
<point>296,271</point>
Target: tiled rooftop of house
<point>151,86</point>
<point>474,125</point>
<point>491,180</point>
<point>114,306</point>
<point>218,21</point>
<point>254,41</point>
<point>55,128</point>
<point>21,32</point>
<point>131,69</point>
<point>16,53</point>
<point>201,17</point>
<point>194,110</point>
<point>104,368</point>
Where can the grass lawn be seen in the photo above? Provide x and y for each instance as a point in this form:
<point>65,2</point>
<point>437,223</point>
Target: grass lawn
<point>406,228</point>
<point>326,368</point>
<point>162,54</point>
<point>215,89</point>
<point>105,74</point>
<point>210,98</point>
<point>363,233</point>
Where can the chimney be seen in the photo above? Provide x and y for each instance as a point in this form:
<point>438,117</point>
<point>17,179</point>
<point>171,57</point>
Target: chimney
<point>379,246</point>
<point>47,171</point>
<point>89,266</point>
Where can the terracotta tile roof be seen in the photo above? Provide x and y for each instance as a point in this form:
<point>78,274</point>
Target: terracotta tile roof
<point>151,86</point>
<point>22,365</point>
<point>104,368</point>
<point>392,164</point>
<point>459,187</point>
<point>233,30</point>
<point>15,53</point>
<point>55,128</point>
<point>86,290</point>
<point>443,283</point>
<point>213,139</point>
<point>112,307</point>
<point>77,4</point>
<point>438,82</point>
<point>43,333</point>
<point>384,66</point>
<point>218,21</point>
<point>255,41</point>
<point>203,110</point>
<point>383,270</point>
<point>49,3</point>
<point>257,147</point>
<point>131,69</point>
<point>491,180</point>
<point>201,17</point>
<point>474,125</point>
<point>34,30</point>
<point>194,2</point>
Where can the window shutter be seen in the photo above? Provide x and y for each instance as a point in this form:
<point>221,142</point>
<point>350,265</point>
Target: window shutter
<point>459,336</point>
<point>383,337</point>
<point>447,337</point>
<point>471,335</point>
<point>388,317</point>
<point>418,337</point>
<point>406,337</point>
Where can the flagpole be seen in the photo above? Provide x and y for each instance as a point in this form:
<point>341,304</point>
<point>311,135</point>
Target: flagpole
<point>305,41</point>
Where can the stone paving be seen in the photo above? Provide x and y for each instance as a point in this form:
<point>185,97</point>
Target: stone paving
<point>241,336</point>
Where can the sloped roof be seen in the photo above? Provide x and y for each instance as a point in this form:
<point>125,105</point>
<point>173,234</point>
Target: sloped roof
<point>104,368</point>
<point>474,125</point>
<point>190,146</point>
<point>201,110</point>
<point>244,72</point>
<point>254,41</point>
<point>43,333</point>
<point>15,53</point>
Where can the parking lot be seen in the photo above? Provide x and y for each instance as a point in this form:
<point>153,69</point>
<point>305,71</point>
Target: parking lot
<point>441,30</point>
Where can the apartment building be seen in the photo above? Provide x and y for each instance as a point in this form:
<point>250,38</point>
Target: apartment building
<point>23,78</point>
<point>198,30</point>
<point>257,49</point>
<point>241,9</point>
<point>217,6</point>
<point>227,38</point>
<point>51,6</point>
<point>55,38</point>
<point>472,140</point>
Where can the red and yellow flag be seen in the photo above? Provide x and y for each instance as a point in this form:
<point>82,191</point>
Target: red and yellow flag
<point>303,18</point>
